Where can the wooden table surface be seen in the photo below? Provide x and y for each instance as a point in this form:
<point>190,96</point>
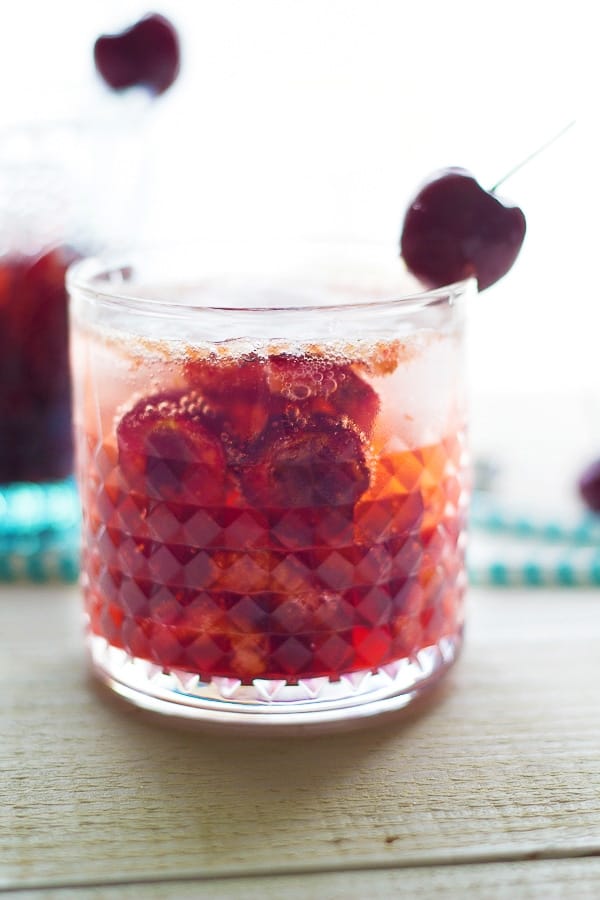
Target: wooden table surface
<point>490,787</point>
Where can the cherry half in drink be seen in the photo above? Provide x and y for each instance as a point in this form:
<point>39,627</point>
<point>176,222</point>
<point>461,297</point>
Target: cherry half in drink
<point>274,517</point>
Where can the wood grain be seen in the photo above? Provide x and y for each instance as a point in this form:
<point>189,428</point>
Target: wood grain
<point>500,764</point>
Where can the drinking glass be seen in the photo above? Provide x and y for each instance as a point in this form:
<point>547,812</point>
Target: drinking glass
<point>273,474</point>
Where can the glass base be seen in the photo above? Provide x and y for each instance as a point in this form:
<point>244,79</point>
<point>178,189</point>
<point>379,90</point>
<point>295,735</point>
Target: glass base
<point>269,704</point>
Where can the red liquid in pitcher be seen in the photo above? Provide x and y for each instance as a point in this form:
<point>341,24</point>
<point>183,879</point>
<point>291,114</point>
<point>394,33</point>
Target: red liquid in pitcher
<point>35,418</point>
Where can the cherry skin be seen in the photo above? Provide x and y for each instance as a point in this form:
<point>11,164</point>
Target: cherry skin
<point>317,463</point>
<point>168,449</point>
<point>589,486</point>
<point>145,54</point>
<point>320,386</point>
<point>454,229</point>
<point>236,390</point>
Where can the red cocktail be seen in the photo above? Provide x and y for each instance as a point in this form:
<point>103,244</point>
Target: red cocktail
<point>270,524</point>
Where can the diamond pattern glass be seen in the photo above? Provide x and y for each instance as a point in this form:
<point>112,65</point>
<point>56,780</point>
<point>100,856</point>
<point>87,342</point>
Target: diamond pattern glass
<point>246,593</point>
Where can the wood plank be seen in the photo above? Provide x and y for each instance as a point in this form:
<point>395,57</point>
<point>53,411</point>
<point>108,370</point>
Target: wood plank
<point>502,760</point>
<point>492,881</point>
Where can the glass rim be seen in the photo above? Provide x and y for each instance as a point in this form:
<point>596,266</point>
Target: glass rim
<point>83,277</point>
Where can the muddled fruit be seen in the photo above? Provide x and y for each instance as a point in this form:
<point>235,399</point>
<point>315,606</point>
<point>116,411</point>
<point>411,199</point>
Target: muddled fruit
<point>319,462</point>
<point>316,385</point>
<point>355,399</point>
<point>246,393</point>
<point>454,229</point>
<point>35,419</point>
<point>167,449</point>
<point>589,486</point>
<point>146,54</point>
<point>236,391</point>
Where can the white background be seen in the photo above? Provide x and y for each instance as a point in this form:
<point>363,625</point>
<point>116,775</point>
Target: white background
<point>322,117</point>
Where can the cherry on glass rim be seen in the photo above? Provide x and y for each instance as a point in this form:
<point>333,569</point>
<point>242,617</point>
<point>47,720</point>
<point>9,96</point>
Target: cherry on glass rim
<point>455,229</point>
<point>146,54</point>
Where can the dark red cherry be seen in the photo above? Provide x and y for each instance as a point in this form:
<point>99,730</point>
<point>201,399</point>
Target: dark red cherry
<point>147,54</point>
<point>306,464</point>
<point>237,392</point>
<point>589,486</point>
<point>168,450</point>
<point>454,229</point>
<point>302,380</point>
<point>320,386</point>
<point>355,399</point>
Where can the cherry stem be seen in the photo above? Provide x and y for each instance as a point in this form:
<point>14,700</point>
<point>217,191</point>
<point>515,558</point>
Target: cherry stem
<point>531,156</point>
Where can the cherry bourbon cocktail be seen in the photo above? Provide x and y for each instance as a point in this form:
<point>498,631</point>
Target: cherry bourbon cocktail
<point>274,496</point>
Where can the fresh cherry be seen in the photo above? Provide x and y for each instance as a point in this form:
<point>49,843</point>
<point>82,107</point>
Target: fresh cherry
<point>145,54</point>
<point>315,463</point>
<point>589,486</point>
<point>168,450</point>
<point>454,229</point>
